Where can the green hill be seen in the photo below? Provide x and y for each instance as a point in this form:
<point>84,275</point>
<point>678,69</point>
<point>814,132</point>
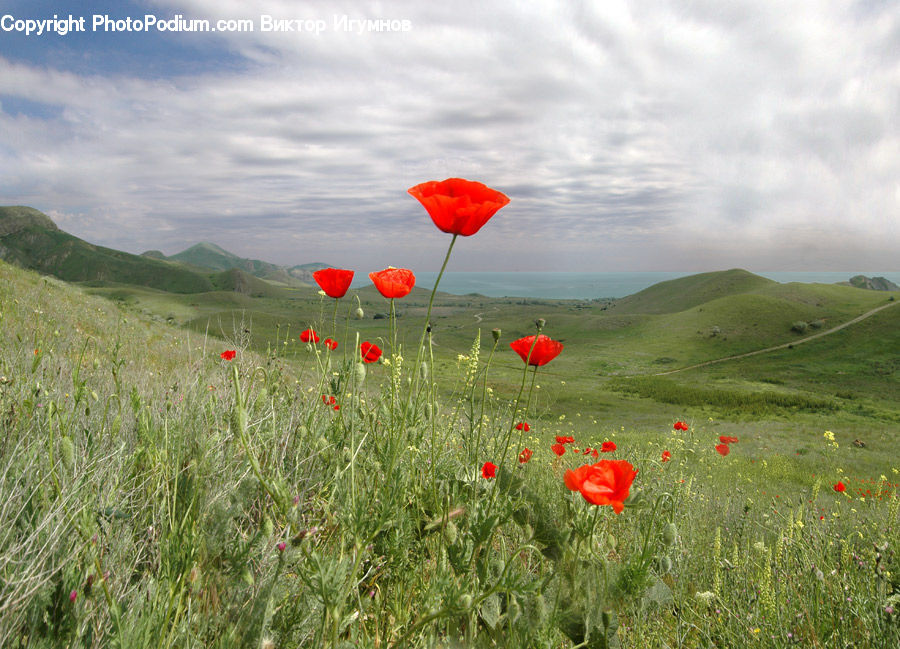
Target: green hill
<point>685,292</point>
<point>30,239</point>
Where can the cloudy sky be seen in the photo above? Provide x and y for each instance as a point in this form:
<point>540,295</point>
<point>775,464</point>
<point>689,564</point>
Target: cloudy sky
<point>682,135</point>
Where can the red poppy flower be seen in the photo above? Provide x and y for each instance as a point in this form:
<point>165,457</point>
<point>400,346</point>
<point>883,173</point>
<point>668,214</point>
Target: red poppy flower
<point>840,487</point>
<point>605,483</point>
<point>458,206</point>
<point>594,452</point>
<point>370,352</point>
<point>330,344</point>
<point>564,440</point>
<point>488,470</point>
<point>309,336</point>
<point>328,401</point>
<point>228,354</point>
<point>680,425</point>
<point>545,349</point>
<point>334,281</point>
<point>393,282</point>
<point>525,455</point>
<point>523,425</point>
<point>587,450</point>
<point>608,447</point>
<point>727,439</point>
<point>666,456</point>
<point>558,448</point>
<point>723,449</point>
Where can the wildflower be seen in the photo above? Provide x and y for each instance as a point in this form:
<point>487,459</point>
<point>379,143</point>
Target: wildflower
<point>605,483</point>
<point>567,439</point>
<point>840,487</point>
<point>525,455</point>
<point>666,456</point>
<point>828,435</point>
<point>309,336</point>
<point>73,596</point>
<point>334,281</point>
<point>281,546</point>
<point>370,352</point>
<point>328,401</point>
<point>545,349</point>
<point>393,282</point>
<point>725,439</point>
<point>723,449</point>
<point>558,448</point>
<point>488,470</point>
<point>458,206</point>
<point>594,452</point>
<point>228,354</point>
<point>330,343</point>
<point>608,447</point>
<point>680,425</point>
<point>523,425</point>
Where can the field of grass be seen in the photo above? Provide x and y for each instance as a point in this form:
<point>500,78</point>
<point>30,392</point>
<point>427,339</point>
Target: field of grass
<point>155,494</point>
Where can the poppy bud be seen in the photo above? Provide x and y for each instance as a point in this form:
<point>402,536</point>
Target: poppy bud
<point>360,371</point>
<point>536,611</point>
<point>496,334</point>
<point>611,541</point>
<point>665,564</point>
<point>96,363</point>
<point>513,610</point>
<point>359,313</point>
<point>539,323</point>
<point>465,601</point>
<point>268,527</point>
<point>451,532</point>
<point>423,371</point>
<point>670,533</point>
<point>428,411</point>
<point>67,451</point>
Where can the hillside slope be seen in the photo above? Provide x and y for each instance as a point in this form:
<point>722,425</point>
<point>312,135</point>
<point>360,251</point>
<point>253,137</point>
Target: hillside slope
<point>685,292</point>
<point>30,239</point>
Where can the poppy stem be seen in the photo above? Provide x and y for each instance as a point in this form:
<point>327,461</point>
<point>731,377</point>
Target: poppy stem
<point>428,322</point>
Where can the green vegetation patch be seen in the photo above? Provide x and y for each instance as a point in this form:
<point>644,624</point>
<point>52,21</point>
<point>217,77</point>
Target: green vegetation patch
<point>731,401</point>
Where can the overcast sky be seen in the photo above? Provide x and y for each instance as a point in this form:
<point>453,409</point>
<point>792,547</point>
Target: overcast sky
<point>684,135</point>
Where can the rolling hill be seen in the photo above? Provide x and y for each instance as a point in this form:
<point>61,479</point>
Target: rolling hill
<point>685,292</point>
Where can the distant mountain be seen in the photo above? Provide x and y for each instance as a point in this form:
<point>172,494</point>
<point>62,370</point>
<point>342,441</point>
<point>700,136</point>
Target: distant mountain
<point>873,283</point>
<point>209,256</point>
<point>30,239</point>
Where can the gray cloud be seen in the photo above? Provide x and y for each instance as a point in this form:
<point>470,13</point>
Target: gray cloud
<point>658,135</point>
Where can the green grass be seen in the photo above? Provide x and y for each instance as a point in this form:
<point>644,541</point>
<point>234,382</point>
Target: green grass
<point>156,480</point>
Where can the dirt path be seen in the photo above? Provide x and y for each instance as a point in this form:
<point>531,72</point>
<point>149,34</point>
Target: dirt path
<point>785,345</point>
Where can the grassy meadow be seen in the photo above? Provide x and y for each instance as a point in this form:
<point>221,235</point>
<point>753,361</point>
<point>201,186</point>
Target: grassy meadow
<point>155,494</point>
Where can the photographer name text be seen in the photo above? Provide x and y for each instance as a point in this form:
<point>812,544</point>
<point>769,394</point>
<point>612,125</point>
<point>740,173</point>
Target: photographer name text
<point>178,23</point>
